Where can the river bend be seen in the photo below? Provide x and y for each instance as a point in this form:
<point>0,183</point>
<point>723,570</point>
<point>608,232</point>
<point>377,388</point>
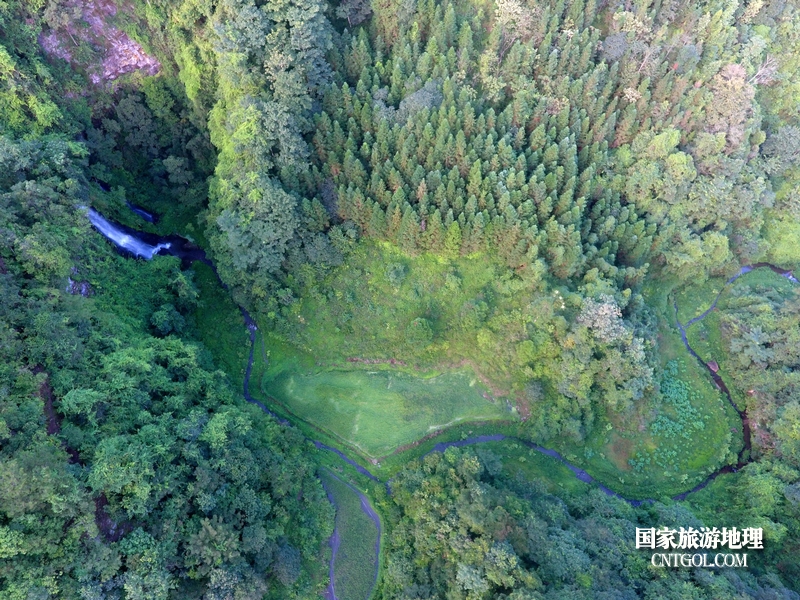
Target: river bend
<point>144,245</point>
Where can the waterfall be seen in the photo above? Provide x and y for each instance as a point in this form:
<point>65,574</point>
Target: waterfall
<point>122,239</point>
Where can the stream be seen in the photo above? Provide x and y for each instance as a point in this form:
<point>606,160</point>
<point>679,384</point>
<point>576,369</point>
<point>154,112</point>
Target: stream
<point>144,245</point>
<point>366,507</point>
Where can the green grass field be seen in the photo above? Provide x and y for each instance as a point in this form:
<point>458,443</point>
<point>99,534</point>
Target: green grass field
<point>424,312</point>
<point>375,411</point>
<point>695,299</point>
<point>356,559</point>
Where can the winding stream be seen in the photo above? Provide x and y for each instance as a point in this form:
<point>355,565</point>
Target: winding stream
<point>144,245</point>
<point>366,507</point>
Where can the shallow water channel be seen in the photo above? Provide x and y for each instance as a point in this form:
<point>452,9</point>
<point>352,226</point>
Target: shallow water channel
<point>144,245</point>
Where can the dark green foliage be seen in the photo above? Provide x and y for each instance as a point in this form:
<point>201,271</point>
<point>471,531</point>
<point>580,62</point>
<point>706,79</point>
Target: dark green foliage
<point>579,151</point>
<point>523,176</point>
<point>127,464</point>
<point>465,528</point>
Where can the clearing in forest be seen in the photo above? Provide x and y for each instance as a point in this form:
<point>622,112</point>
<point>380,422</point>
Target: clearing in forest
<point>347,359</point>
<point>389,348</point>
<point>375,411</point>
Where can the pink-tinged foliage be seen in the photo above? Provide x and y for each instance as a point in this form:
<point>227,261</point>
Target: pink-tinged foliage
<point>121,54</point>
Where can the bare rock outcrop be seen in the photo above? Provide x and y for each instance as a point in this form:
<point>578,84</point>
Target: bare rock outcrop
<point>89,22</point>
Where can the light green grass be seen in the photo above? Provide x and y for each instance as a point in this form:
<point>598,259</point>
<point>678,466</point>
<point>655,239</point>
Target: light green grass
<point>356,559</point>
<point>527,464</point>
<point>374,411</point>
<point>427,313</point>
<point>693,300</point>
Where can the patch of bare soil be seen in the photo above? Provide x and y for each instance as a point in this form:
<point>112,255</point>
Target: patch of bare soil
<point>46,394</point>
<point>91,25</point>
<point>51,416</point>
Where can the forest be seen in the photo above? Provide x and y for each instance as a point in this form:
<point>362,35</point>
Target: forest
<point>421,265</point>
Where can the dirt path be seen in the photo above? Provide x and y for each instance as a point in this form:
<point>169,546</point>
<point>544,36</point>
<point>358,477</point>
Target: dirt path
<point>52,419</point>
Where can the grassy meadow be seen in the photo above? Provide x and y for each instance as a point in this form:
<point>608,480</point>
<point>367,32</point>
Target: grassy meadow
<point>376,411</point>
<point>343,367</point>
<point>356,558</point>
<point>425,313</point>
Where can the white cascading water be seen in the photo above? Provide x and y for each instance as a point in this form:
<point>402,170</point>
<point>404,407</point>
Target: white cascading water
<point>123,239</point>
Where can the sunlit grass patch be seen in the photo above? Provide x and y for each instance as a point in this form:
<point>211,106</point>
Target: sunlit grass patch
<point>376,411</point>
<point>421,313</point>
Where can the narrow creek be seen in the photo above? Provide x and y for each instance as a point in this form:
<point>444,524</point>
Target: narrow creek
<point>145,245</point>
<point>372,515</point>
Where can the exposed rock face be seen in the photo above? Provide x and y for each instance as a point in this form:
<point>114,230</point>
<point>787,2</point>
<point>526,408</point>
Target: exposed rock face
<point>121,54</point>
<point>79,287</point>
<point>75,287</point>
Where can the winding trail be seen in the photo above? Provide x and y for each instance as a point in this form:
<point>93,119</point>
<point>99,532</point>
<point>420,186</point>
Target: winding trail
<point>188,252</point>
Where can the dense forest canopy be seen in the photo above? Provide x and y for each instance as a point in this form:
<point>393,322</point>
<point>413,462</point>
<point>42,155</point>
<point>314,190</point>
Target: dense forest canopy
<point>532,189</point>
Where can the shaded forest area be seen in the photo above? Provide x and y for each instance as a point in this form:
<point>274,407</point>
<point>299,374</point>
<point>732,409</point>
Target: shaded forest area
<point>589,150</point>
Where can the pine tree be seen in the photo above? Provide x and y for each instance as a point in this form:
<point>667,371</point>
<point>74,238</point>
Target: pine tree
<point>433,234</point>
<point>377,223</point>
<point>408,231</point>
<point>393,221</point>
<point>452,240</point>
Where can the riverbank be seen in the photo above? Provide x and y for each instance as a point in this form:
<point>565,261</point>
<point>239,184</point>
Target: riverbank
<point>189,254</point>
